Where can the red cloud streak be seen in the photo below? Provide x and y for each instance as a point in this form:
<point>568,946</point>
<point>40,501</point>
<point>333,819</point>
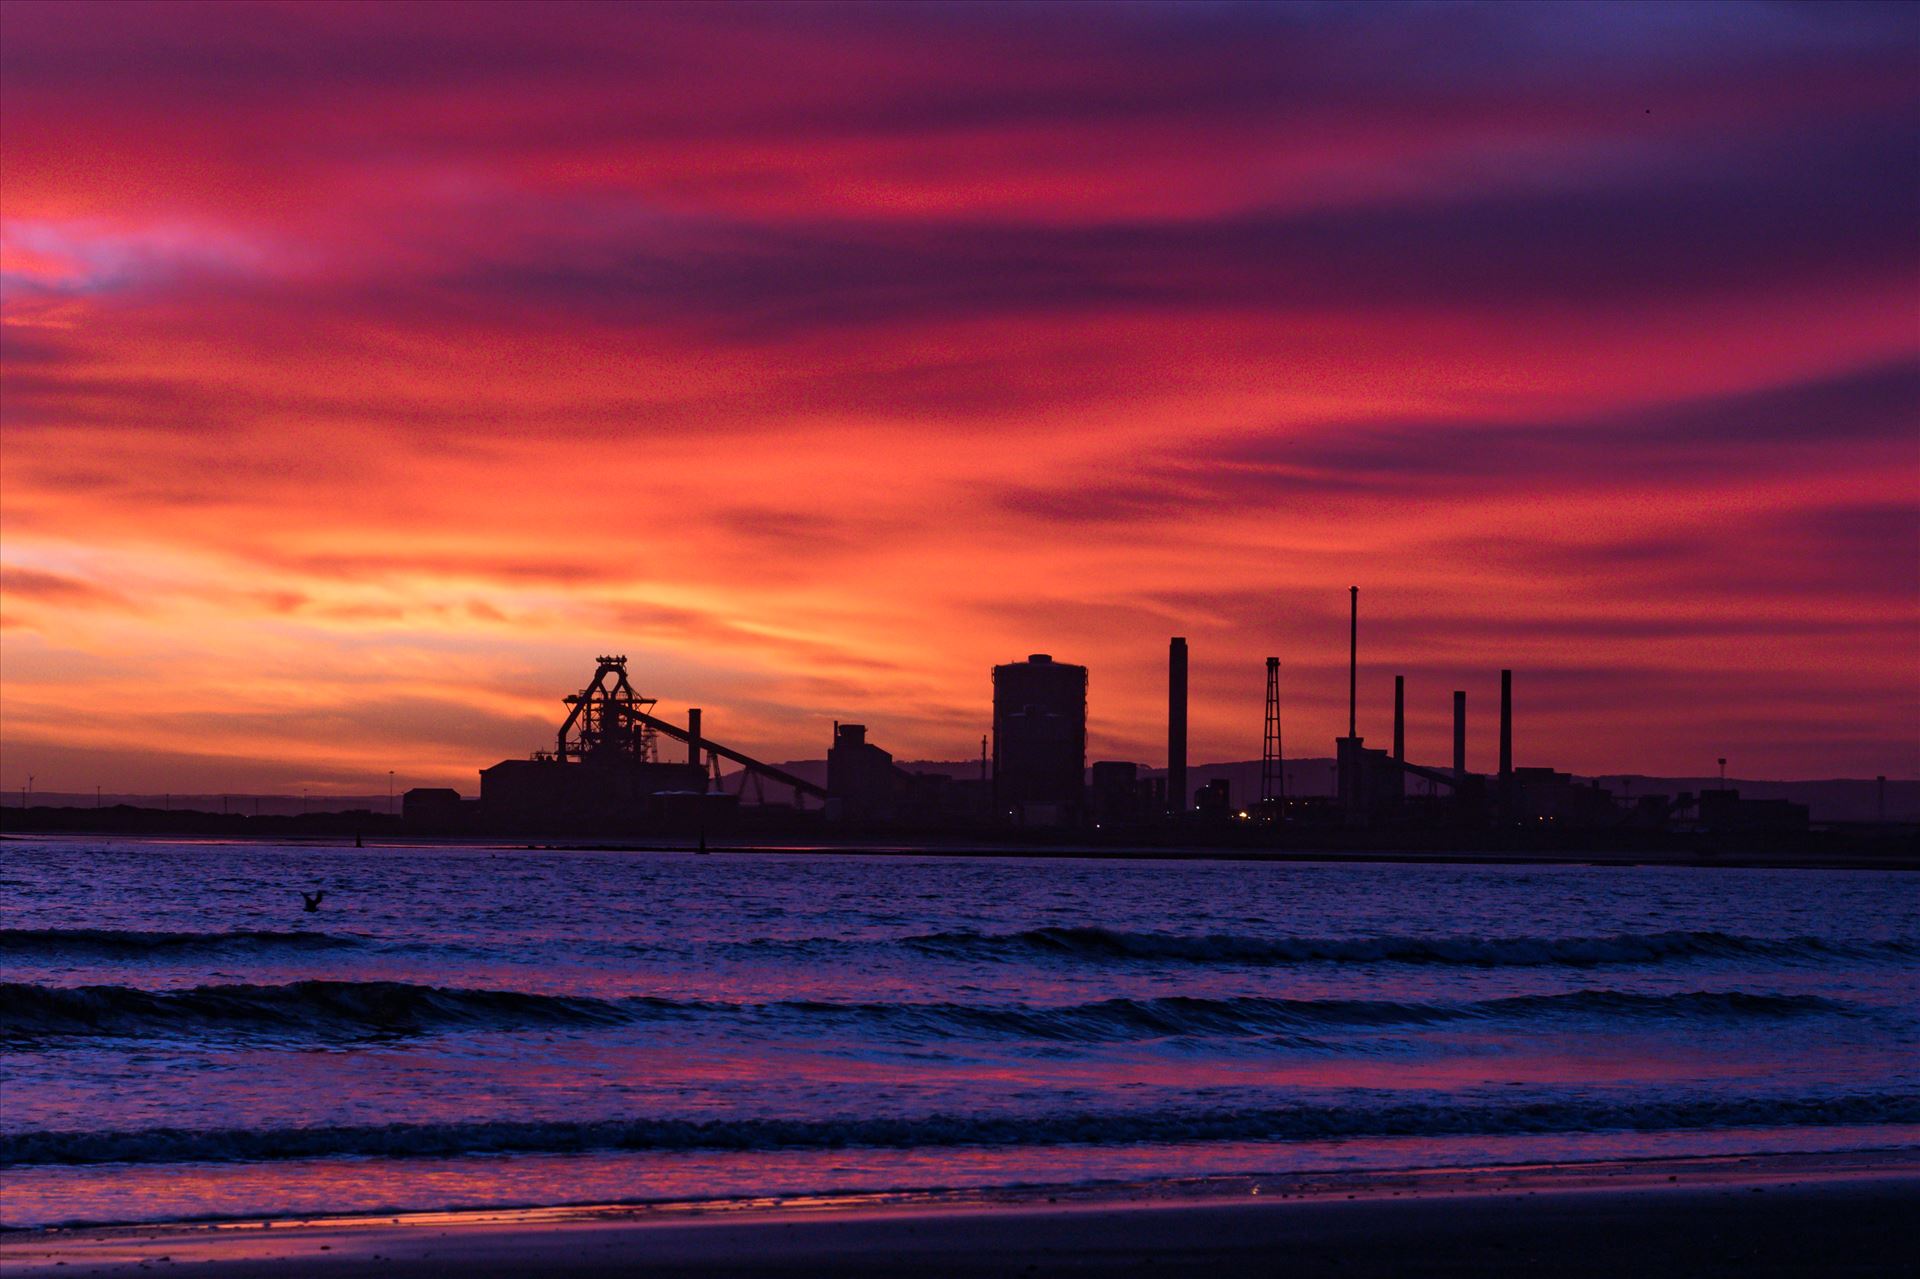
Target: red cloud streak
<point>367,370</point>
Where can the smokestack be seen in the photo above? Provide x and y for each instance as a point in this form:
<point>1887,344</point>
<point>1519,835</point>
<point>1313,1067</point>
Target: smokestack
<point>1177,725</point>
<point>693,737</point>
<point>1400,719</point>
<point>1353,662</point>
<point>1459,732</point>
<point>1506,726</point>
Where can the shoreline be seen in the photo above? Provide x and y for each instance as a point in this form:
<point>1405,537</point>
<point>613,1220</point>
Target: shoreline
<point>1781,1213</point>
<point>1705,859</point>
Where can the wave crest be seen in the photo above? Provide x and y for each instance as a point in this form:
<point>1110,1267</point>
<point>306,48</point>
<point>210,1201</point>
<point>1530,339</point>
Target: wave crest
<point>135,943</point>
<point>1479,952</point>
<point>333,1008</point>
<point>1282,1123</point>
<point>31,1012</point>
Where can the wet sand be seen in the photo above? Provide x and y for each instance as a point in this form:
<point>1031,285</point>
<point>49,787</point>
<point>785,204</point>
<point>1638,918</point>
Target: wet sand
<point>1855,1214</point>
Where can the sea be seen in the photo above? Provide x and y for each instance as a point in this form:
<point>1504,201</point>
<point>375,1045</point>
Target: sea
<point>487,1026</point>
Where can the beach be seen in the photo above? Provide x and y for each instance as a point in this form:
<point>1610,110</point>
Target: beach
<point>1851,1214</point>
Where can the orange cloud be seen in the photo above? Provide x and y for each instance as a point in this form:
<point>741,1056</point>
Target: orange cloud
<point>380,367</point>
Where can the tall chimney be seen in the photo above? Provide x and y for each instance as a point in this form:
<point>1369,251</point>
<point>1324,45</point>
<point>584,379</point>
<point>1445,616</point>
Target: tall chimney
<point>1273,784</point>
<point>693,737</point>
<point>1506,726</point>
<point>1177,726</point>
<point>1459,733</point>
<point>1400,719</point>
<point>1353,662</point>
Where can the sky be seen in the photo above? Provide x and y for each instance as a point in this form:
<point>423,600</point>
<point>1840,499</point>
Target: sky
<point>367,371</point>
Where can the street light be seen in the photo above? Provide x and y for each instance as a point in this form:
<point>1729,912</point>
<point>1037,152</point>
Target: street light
<point>389,792</point>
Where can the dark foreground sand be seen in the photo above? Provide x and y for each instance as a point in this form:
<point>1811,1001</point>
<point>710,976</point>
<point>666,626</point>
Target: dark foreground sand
<point>1856,1215</point>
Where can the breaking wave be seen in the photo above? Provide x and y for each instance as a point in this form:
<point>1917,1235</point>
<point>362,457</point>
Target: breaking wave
<point>1480,952</point>
<point>132,944</point>
<point>1277,1123</point>
<point>360,1008</point>
<point>32,1011</point>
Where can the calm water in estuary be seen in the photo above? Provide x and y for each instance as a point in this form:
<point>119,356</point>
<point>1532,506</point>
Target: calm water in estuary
<point>478,1026</point>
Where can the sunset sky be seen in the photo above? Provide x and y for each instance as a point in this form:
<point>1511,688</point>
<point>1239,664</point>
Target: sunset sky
<point>369,370</point>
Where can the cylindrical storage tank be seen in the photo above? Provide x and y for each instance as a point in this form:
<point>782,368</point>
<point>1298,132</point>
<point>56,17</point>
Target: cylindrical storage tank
<point>1040,737</point>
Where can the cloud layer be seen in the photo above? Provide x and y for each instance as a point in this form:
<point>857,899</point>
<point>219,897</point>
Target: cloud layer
<point>366,371</point>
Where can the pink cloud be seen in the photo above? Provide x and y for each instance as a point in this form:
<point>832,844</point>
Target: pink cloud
<point>828,356</point>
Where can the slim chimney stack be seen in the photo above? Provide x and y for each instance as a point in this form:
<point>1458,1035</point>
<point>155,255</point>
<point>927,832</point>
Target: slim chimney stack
<point>1506,727</point>
<point>693,736</point>
<point>1400,719</point>
<point>1459,733</point>
<point>1177,726</point>
<point>1353,662</point>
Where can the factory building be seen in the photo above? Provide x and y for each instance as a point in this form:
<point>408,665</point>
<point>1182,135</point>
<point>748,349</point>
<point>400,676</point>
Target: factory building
<point>605,770</point>
<point>425,804</point>
<point>865,786</point>
<point>1543,795</point>
<point>861,778</point>
<point>609,767</point>
<point>1040,742</point>
<point>1722,811</point>
<point>1214,800</point>
<point>1116,793</point>
<point>530,791</point>
<point>438,810</point>
<point>1369,781</point>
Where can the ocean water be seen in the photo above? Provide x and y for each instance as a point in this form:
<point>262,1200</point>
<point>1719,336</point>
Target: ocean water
<point>481,1026</point>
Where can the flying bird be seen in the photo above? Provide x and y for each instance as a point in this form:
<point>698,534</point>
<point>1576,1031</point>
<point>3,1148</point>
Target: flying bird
<point>312,899</point>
